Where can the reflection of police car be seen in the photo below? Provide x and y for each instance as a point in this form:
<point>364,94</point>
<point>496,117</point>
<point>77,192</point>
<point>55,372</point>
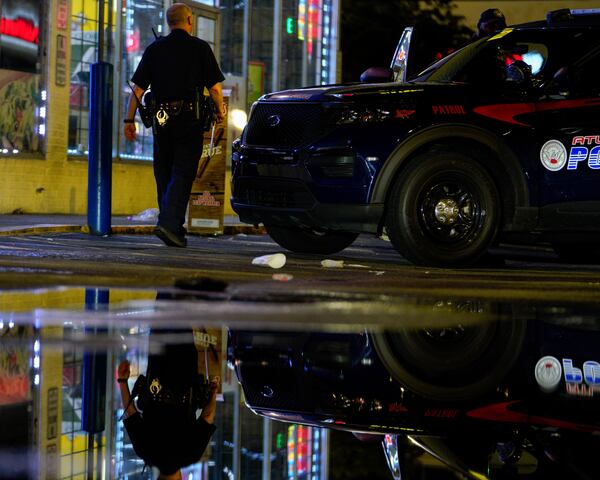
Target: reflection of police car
<point>492,399</point>
<point>499,141</point>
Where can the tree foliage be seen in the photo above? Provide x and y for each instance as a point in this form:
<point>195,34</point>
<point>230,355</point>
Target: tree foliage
<point>370,30</point>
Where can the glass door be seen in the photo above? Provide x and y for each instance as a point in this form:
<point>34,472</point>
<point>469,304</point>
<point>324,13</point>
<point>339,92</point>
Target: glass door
<point>206,23</point>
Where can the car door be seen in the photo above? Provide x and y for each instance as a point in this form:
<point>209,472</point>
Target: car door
<point>569,148</point>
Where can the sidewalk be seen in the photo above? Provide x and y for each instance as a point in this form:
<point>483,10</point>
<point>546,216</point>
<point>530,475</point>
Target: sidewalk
<point>31,224</point>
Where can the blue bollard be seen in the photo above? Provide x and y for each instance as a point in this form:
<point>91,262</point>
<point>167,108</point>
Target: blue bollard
<point>100,148</point>
<point>94,374</point>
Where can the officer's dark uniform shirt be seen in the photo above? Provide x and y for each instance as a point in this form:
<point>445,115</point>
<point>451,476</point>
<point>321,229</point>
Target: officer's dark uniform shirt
<point>175,65</point>
<point>167,442</point>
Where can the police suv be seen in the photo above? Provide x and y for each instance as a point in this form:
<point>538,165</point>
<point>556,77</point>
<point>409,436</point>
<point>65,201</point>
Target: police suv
<point>499,141</point>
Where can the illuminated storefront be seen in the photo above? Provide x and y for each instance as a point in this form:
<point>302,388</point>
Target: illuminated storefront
<point>22,106</point>
<point>47,47</point>
<point>262,46</point>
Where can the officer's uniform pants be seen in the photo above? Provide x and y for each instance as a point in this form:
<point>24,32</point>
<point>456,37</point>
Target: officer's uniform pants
<point>177,151</point>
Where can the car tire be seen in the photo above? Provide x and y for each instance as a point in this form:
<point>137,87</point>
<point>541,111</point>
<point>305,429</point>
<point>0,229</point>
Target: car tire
<point>444,210</point>
<point>454,363</point>
<point>300,240</point>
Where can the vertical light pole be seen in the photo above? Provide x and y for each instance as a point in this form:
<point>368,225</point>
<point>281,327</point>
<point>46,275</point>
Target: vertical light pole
<point>100,138</point>
<point>246,50</point>
<point>277,27</point>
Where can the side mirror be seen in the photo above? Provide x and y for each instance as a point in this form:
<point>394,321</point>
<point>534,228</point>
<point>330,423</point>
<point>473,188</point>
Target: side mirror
<point>377,75</point>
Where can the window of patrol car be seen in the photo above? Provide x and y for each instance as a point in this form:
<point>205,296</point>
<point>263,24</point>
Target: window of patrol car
<point>486,61</point>
<point>584,75</point>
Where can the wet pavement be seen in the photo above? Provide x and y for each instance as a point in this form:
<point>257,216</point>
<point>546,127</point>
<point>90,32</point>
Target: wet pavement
<point>492,369</point>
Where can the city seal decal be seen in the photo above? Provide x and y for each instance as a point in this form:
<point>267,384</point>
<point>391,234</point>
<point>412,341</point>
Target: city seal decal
<point>553,155</point>
<point>548,373</point>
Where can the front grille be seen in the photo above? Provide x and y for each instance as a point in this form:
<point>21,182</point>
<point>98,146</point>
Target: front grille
<point>274,193</point>
<point>288,125</point>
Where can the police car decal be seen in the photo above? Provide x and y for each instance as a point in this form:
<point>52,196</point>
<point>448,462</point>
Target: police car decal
<point>553,155</point>
<point>579,381</point>
<point>585,148</point>
<point>548,373</point>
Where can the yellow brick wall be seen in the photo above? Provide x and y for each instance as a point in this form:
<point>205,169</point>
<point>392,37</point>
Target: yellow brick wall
<point>55,184</point>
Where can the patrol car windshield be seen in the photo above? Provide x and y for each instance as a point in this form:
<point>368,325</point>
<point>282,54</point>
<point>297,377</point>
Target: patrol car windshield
<point>537,53</point>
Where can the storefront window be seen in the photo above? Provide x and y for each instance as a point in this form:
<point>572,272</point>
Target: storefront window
<point>84,52</point>
<point>232,37</point>
<point>22,103</point>
<point>292,45</point>
<point>142,19</point>
<point>252,450</point>
<point>260,68</point>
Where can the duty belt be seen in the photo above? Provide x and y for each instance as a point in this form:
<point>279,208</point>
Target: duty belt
<point>172,108</point>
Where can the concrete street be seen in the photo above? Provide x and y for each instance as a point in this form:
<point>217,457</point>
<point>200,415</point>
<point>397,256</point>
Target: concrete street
<point>371,268</point>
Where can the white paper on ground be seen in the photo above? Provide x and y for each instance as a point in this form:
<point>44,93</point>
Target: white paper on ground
<point>276,260</point>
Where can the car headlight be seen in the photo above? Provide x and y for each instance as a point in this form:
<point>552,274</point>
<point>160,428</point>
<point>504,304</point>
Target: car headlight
<point>360,114</point>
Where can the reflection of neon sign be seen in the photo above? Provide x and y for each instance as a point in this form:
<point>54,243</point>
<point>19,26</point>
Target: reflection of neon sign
<point>301,19</point>
<point>291,450</point>
<point>133,42</point>
<point>313,24</point>
<point>302,450</point>
<point>21,28</point>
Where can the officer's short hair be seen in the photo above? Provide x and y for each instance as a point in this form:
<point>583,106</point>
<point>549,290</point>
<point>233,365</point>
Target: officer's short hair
<point>492,16</point>
<point>177,14</point>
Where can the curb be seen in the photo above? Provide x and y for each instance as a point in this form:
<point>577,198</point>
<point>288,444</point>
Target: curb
<point>40,229</point>
<point>121,230</point>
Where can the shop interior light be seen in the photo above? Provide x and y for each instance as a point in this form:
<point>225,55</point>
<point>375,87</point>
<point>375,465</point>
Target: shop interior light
<point>239,118</point>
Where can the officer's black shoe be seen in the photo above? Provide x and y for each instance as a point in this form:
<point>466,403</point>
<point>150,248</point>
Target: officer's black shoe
<point>169,238</point>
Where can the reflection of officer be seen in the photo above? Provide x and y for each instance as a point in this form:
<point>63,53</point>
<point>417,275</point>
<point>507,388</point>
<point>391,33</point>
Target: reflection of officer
<point>177,68</point>
<point>167,433</point>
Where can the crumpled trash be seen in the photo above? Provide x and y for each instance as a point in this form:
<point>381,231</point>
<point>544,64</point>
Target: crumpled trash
<point>150,214</point>
<point>327,263</point>
<point>282,277</point>
<point>276,260</point>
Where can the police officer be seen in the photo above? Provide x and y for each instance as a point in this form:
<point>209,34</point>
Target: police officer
<point>177,68</point>
<point>491,20</point>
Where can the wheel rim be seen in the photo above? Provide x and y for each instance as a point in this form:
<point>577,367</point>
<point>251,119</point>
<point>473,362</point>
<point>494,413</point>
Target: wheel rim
<point>451,210</point>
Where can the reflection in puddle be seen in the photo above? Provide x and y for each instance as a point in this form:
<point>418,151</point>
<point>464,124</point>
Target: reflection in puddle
<point>492,390</point>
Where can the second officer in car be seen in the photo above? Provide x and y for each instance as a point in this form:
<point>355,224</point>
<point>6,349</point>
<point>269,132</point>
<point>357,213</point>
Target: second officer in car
<point>177,68</point>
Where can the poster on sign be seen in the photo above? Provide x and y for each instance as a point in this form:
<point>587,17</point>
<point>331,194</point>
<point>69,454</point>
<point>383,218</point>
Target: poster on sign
<point>207,201</point>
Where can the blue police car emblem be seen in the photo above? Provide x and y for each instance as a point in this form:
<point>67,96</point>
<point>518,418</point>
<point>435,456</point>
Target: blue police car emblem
<point>273,120</point>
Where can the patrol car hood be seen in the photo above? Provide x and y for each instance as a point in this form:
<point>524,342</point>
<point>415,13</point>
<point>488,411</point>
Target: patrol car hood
<point>332,92</point>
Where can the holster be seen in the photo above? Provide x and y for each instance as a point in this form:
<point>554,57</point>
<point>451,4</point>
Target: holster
<point>205,110</point>
<point>147,109</point>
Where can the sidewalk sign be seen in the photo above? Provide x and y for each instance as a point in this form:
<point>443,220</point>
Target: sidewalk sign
<point>209,343</point>
<point>207,201</point>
